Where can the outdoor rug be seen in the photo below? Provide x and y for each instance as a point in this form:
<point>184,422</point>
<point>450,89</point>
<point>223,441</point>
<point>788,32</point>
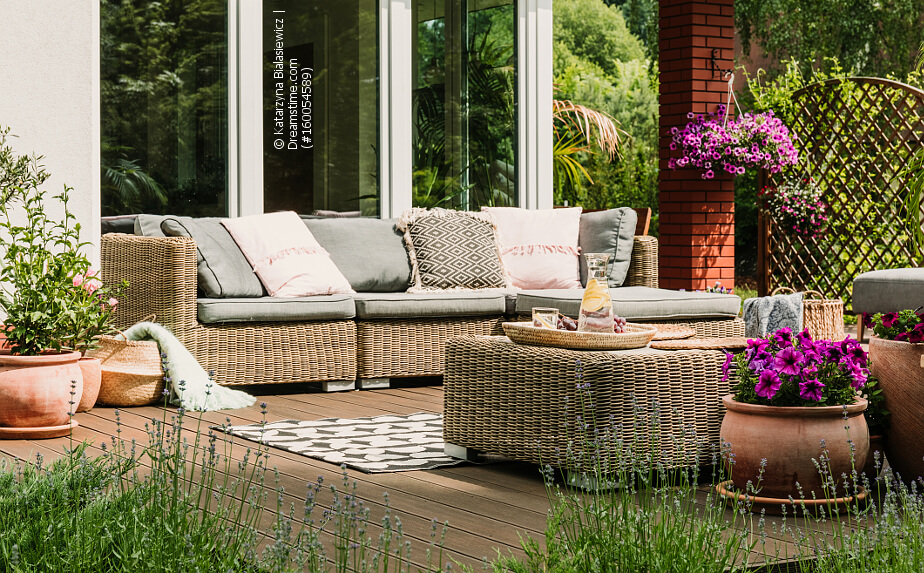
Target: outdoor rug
<point>373,445</point>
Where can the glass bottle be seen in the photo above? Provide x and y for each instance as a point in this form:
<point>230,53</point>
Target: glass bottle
<point>596,313</point>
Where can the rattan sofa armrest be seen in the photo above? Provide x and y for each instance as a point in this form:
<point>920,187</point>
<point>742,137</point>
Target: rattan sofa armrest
<point>643,268</point>
<point>161,272</point>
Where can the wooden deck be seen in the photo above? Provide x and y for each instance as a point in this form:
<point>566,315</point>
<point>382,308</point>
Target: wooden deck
<point>488,507</point>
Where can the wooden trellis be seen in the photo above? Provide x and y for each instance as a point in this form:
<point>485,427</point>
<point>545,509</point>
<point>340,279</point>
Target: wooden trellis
<point>855,137</point>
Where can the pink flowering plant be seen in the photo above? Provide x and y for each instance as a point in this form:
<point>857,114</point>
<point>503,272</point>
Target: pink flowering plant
<point>904,326</point>
<point>52,299</point>
<point>713,143</point>
<point>796,206</point>
<point>795,370</point>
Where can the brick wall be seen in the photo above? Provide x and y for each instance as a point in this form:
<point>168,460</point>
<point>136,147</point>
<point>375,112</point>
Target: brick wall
<point>697,224</point>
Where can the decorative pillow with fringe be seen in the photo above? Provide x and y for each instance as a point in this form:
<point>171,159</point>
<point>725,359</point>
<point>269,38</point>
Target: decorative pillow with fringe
<point>285,255</point>
<point>451,250</point>
<point>539,248</point>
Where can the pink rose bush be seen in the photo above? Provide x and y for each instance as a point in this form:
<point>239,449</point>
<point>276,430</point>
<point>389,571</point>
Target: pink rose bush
<point>795,370</point>
<point>711,143</point>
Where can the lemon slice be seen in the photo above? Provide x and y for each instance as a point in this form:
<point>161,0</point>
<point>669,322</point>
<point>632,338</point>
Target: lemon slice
<point>594,297</point>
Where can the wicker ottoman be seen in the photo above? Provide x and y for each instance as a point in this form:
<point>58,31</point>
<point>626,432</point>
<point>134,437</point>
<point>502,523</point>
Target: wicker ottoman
<point>526,402</point>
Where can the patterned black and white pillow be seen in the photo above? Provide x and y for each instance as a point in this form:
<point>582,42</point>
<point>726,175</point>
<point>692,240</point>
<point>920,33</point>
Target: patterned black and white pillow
<point>452,250</point>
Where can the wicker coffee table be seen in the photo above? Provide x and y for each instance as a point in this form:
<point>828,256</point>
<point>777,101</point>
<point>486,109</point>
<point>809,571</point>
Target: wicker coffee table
<point>523,402</point>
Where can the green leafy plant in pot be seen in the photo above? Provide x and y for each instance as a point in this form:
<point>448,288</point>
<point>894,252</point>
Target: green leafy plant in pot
<point>896,349</point>
<point>796,400</point>
<point>53,303</point>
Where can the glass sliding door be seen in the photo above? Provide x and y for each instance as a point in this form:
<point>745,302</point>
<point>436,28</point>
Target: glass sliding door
<point>464,103</point>
<point>320,106</point>
<point>164,106</point>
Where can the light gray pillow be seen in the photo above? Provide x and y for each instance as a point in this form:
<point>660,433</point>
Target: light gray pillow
<point>612,232</point>
<point>149,225</point>
<point>222,270</point>
<point>369,252</point>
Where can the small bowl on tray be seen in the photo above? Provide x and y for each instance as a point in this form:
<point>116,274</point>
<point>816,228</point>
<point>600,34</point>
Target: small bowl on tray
<point>637,336</point>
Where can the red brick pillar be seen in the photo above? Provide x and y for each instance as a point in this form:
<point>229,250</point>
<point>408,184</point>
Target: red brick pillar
<point>697,216</point>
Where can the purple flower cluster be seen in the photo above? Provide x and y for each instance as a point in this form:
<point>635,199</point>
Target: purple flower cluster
<point>788,370</point>
<point>904,326</point>
<point>796,205</point>
<point>709,143</point>
<point>717,287</point>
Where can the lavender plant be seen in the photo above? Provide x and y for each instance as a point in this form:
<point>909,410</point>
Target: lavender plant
<point>714,143</point>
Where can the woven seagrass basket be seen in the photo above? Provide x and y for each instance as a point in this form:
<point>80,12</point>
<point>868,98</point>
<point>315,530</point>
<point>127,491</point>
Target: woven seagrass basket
<point>824,318</point>
<point>132,374</point>
<point>525,333</point>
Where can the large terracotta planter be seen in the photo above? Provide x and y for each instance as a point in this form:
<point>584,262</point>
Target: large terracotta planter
<point>897,365</point>
<point>91,369</point>
<point>789,438</point>
<point>35,391</point>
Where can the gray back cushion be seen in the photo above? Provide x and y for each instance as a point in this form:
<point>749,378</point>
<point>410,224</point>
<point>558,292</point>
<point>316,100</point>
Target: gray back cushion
<point>223,272</point>
<point>149,225</point>
<point>612,232</point>
<point>369,252</point>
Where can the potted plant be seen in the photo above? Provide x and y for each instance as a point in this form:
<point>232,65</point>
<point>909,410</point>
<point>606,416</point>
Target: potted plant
<point>896,349</point>
<point>796,206</point>
<point>793,398</point>
<point>716,143</point>
<point>52,311</point>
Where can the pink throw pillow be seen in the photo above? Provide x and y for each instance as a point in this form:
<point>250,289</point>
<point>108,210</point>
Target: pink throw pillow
<point>539,247</point>
<point>285,255</point>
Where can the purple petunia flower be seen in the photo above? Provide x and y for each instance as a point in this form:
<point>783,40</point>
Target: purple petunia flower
<point>768,384</point>
<point>917,333</point>
<point>727,366</point>
<point>811,389</point>
<point>890,319</point>
<point>788,361</point>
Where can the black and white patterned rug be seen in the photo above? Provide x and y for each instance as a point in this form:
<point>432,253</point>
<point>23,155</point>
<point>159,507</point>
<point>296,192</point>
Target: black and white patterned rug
<point>372,445</point>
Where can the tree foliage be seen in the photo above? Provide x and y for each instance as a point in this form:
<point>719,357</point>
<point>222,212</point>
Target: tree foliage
<point>867,38</point>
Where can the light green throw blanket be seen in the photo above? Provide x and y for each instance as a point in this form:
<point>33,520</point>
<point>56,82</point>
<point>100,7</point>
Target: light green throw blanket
<point>189,384</point>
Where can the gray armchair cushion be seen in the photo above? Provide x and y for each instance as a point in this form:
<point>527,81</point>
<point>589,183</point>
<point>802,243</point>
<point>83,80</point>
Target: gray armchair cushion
<point>222,270</point>
<point>149,225</point>
<point>611,232</point>
<point>888,290</point>
<point>430,304</point>
<point>638,303</point>
<point>369,252</point>
<point>275,309</point>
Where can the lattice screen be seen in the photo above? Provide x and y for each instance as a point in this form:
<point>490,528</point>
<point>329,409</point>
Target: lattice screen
<point>854,138</point>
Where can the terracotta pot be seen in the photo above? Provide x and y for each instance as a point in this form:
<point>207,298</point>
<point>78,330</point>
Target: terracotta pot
<point>35,391</point>
<point>91,369</point>
<point>897,365</point>
<point>789,438</point>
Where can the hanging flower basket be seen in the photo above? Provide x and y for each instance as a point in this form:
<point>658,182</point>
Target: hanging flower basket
<point>716,143</point>
<point>796,206</point>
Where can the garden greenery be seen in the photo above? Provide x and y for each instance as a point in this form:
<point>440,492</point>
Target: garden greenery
<point>797,206</point>
<point>905,325</point>
<point>52,298</point>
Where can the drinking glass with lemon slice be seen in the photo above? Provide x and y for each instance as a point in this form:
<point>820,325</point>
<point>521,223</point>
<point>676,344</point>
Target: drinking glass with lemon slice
<point>596,313</point>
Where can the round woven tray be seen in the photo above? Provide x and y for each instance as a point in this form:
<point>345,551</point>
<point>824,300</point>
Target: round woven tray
<point>729,343</point>
<point>525,333</point>
<point>669,331</point>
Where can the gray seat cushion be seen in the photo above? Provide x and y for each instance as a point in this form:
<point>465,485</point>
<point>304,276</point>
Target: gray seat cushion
<point>611,232</point>
<point>430,305</point>
<point>272,309</point>
<point>222,269</point>
<point>639,303</point>
<point>888,290</point>
<point>369,252</point>
<point>149,225</point>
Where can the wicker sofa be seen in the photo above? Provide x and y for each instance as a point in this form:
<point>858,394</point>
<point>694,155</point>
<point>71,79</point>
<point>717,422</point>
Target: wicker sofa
<point>384,337</point>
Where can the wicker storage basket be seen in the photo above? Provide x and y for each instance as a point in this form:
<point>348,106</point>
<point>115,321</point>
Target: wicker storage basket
<point>824,318</point>
<point>132,374</point>
<point>525,333</point>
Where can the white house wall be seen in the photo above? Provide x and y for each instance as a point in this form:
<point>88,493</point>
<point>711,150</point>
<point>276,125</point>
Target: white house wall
<point>49,95</point>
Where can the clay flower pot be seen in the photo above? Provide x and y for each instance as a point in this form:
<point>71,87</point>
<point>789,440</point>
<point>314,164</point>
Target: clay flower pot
<point>35,391</point>
<point>897,365</point>
<point>789,438</point>
<point>91,368</point>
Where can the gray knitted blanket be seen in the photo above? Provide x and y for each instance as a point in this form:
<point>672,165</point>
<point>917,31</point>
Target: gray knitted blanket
<point>767,314</point>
